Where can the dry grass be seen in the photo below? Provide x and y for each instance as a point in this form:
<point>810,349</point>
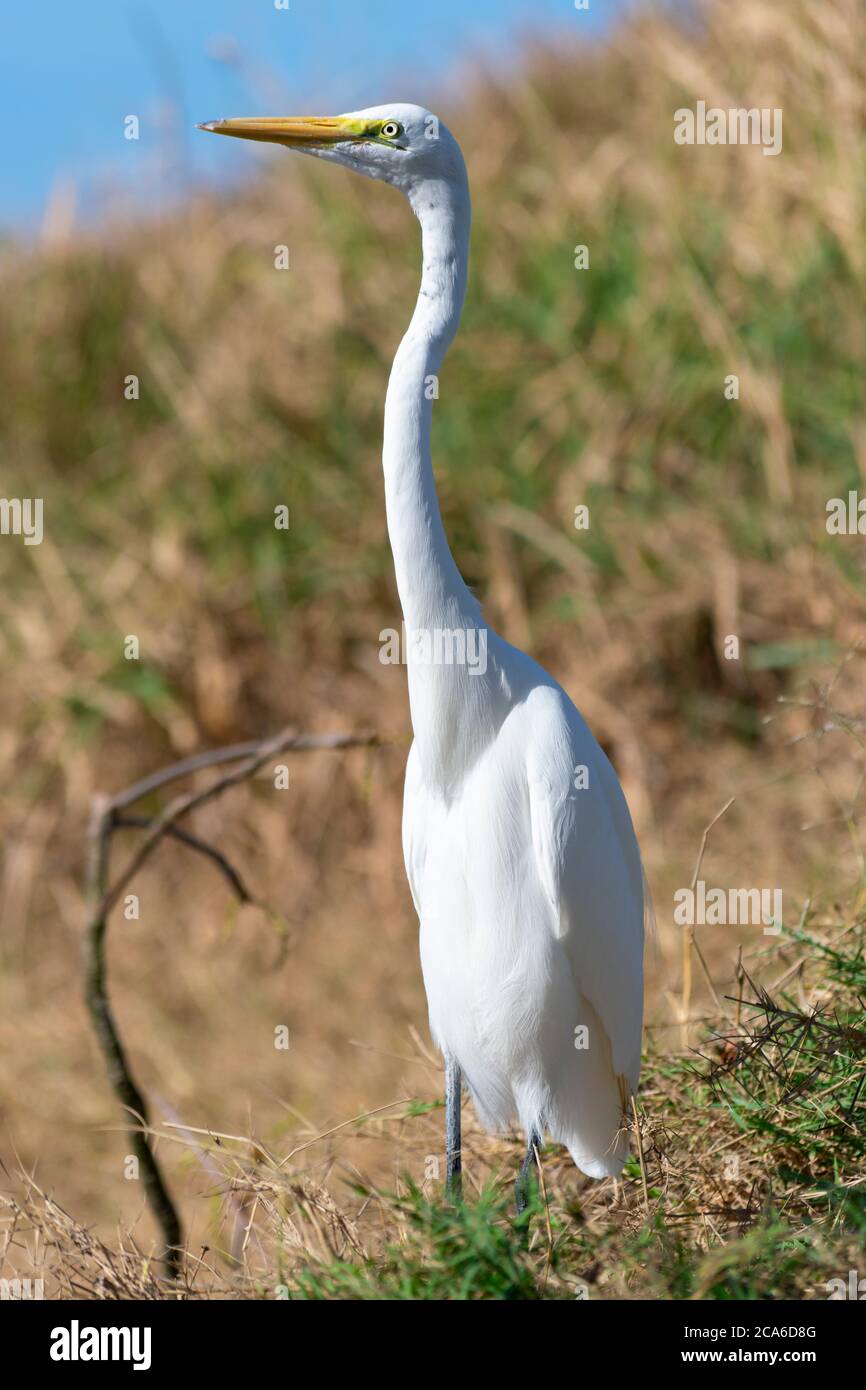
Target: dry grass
<point>259,388</point>
<point>750,1183</point>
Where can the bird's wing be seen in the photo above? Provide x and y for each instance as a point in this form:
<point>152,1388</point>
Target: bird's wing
<point>413,843</point>
<point>588,862</point>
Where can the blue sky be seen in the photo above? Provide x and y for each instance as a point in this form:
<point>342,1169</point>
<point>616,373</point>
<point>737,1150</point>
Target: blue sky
<point>71,72</point>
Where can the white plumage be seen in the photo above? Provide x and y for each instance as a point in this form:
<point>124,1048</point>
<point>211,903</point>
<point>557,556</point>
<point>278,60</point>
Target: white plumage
<point>529,894</point>
<point>519,848</point>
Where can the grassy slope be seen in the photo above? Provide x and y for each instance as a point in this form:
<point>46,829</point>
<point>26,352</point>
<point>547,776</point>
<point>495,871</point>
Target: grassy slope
<point>752,1153</point>
<point>600,386</point>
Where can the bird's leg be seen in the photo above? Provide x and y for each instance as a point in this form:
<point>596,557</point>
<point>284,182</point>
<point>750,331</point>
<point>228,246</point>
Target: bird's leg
<point>453,1165</point>
<point>521,1186</point>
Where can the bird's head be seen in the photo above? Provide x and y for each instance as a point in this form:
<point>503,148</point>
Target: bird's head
<point>400,144</point>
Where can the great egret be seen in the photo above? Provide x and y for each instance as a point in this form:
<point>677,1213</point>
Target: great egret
<point>519,847</point>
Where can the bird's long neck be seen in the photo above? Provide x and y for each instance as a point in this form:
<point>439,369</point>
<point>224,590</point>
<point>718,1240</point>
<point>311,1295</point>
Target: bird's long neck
<point>457,700</point>
<point>428,580</point>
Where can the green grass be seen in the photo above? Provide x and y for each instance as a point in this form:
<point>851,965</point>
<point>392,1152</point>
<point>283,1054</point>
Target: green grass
<point>754,1163</point>
<point>468,1252</point>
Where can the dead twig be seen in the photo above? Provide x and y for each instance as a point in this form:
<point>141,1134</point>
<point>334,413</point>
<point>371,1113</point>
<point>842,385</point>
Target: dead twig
<point>108,815</point>
<point>690,941</point>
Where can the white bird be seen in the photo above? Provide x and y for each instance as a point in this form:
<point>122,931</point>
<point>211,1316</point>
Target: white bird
<point>519,847</point>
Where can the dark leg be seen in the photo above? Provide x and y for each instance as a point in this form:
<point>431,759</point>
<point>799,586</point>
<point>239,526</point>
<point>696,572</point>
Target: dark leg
<point>453,1166</point>
<point>521,1186</point>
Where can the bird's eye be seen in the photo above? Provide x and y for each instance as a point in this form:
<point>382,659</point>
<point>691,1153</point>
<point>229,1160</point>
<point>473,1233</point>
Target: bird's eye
<point>391,129</point>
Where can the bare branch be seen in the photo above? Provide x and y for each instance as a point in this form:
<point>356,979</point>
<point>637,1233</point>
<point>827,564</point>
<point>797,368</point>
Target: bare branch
<point>185,837</point>
<point>119,1074</point>
<point>106,817</point>
<point>288,740</point>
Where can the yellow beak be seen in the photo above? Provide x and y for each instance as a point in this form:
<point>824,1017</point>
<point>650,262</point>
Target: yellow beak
<point>289,130</point>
